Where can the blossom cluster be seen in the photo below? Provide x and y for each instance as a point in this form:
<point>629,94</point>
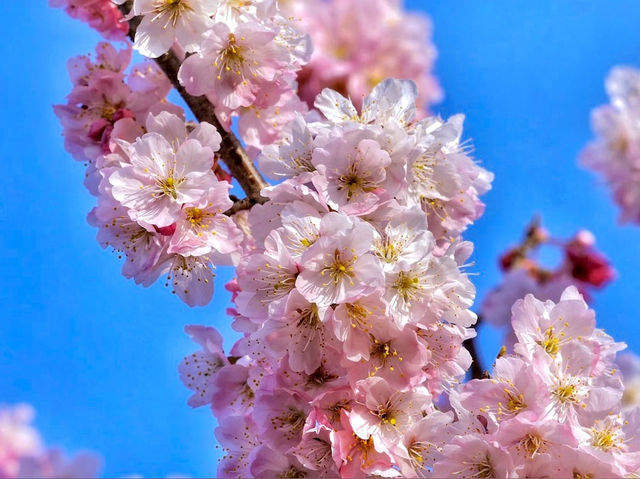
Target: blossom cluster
<point>159,206</point>
<point>582,266</point>
<point>552,409</point>
<point>615,152</point>
<point>160,203</point>
<point>358,42</point>
<point>244,57</point>
<point>22,453</point>
<point>353,303</point>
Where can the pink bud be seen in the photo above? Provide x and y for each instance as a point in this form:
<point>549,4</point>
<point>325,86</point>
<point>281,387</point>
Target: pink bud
<point>97,128</point>
<point>123,113</point>
<point>589,266</point>
<point>166,230</point>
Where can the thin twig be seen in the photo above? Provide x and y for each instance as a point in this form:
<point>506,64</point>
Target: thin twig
<point>231,151</point>
<point>239,205</point>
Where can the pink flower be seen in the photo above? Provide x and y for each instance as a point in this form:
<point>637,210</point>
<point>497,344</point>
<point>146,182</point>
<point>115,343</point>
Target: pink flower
<point>269,463</point>
<point>536,445</point>
<point>514,388</point>
<point>160,179</point>
<point>357,457</point>
<point>314,452</point>
<point>266,279</point>
<point>165,21</point>
<point>352,174</point>
<point>397,357</point>
<point>547,326</point>
<point>354,322</point>
<point>384,413</point>
<point>422,445</point>
<point>338,267</point>
<point>300,329</point>
<point>198,370</point>
<point>449,360</point>
<point>204,229</point>
<point>281,416</point>
<point>470,456</point>
<point>235,65</point>
<point>292,156</point>
<point>238,437</point>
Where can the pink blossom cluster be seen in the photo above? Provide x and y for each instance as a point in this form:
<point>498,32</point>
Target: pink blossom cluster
<point>552,409</point>
<point>245,58</point>
<point>582,265</point>
<point>160,204</point>
<point>23,455</point>
<point>353,311</point>
<point>615,152</point>
<point>358,42</point>
<point>101,15</point>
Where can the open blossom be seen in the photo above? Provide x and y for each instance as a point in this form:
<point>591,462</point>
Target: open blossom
<point>234,66</point>
<point>160,179</point>
<point>353,174</point>
<point>384,413</point>
<point>166,21</point>
<point>339,266</point>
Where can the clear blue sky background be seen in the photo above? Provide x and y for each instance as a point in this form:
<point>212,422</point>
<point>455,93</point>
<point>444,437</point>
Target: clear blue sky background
<point>97,356</point>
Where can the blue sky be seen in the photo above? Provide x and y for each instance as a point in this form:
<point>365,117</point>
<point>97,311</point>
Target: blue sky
<point>97,356</point>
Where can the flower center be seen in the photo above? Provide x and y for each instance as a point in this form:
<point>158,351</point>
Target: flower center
<point>230,59</point>
<point>354,183</point>
<point>292,473</point>
<point>607,438</point>
<point>532,444</point>
<point>484,468</point>
<point>407,285</point>
<point>551,342</point>
<point>168,186</point>
<point>566,393</point>
<point>515,403</point>
<point>309,318</point>
<point>386,414</point>
<point>291,422</point>
<point>339,268</point>
<point>172,9</point>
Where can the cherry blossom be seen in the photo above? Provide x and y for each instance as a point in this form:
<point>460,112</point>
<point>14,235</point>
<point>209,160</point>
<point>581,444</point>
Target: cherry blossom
<point>614,152</point>
<point>23,453</point>
<point>352,296</point>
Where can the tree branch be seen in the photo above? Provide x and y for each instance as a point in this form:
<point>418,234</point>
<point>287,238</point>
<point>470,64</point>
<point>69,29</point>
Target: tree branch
<point>231,151</point>
<point>239,205</point>
<point>477,372</point>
